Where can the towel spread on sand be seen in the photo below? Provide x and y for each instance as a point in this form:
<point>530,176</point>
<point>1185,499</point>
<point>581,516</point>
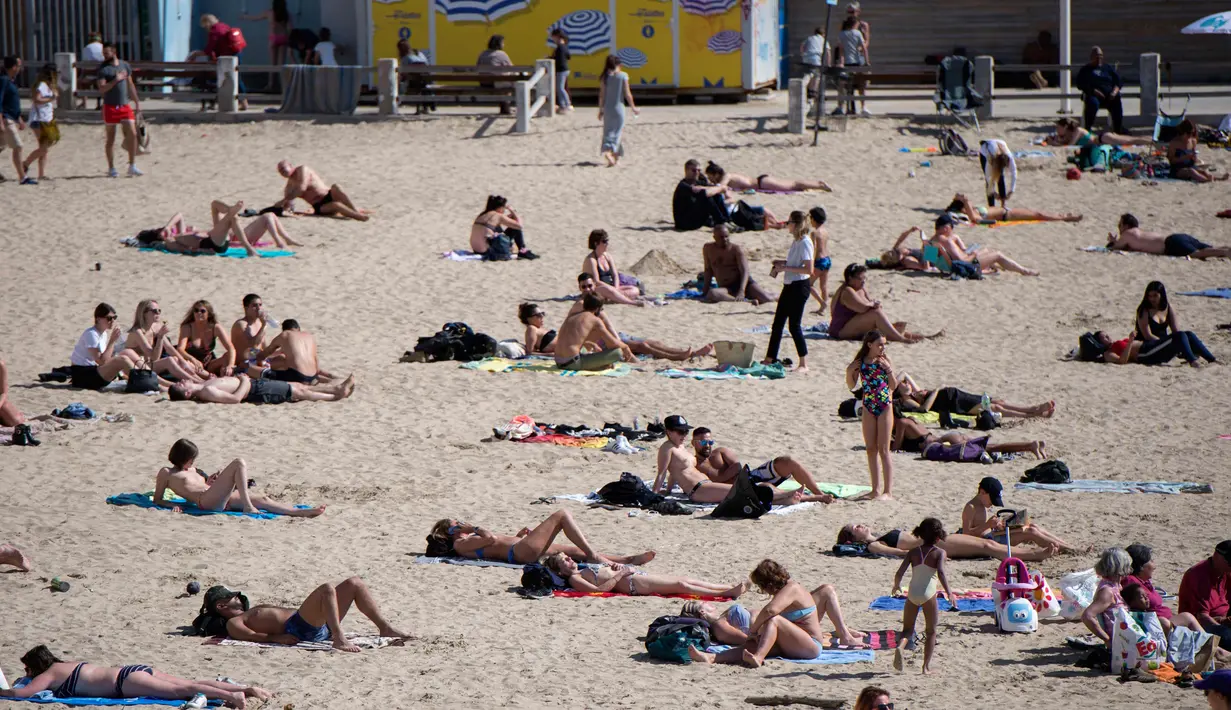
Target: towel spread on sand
<point>974,600</point>
<point>368,642</point>
<point>1097,486</point>
<point>755,372</point>
<point>501,364</point>
<point>466,561</point>
<point>684,294</point>
<point>934,417</point>
<point>816,331</point>
<point>875,640</point>
<point>1209,293</point>
<point>461,255</point>
<point>1104,250</point>
<point>146,500</point>
<point>46,697</point>
<point>577,442</point>
<point>574,594</point>
<point>234,252</point>
<point>1033,154</point>
<point>824,657</point>
<point>1014,223</point>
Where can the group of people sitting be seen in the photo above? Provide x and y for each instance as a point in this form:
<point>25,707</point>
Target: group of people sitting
<point>708,198</point>
<point>1154,339</point>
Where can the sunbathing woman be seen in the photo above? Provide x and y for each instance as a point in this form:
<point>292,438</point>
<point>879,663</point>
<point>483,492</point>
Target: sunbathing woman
<point>976,214</point>
<point>911,436</point>
<point>262,224</point>
<point>453,538</point>
<point>952,400</point>
<point>1182,154</point>
<point>903,258</point>
<point>199,332</point>
<point>762,183</point>
<point>148,341</point>
<point>539,340</point>
<point>178,236</point>
<point>87,680</point>
<point>731,626</point>
<point>626,580</point>
<point>599,264</point>
<point>854,313</point>
<point>499,224</point>
<point>951,248</point>
<point>1069,132</point>
<point>896,543</point>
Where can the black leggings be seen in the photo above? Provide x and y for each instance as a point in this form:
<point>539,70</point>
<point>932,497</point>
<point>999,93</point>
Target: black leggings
<point>518,238</point>
<point>791,304</point>
<point>1183,343</point>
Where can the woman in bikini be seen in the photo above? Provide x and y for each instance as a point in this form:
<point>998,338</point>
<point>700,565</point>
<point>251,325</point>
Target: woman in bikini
<point>903,258</point>
<point>912,437</point>
<point>279,30</point>
<point>1069,132</point>
<point>498,221</point>
<point>1182,155</point>
<point>731,627</point>
<point>199,332</point>
<point>821,263</point>
<point>853,313</point>
<point>260,225</point>
<point>148,340</point>
<point>926,563</point>
<point>896,543</point>
<point>178,236</point>
<point>762,183</point>
<point>952,400</point>
<point>873,370</point>
<point>599,264</point>
<point>453,538</point>
<point>539,340</point>
<point>87,680</point>
<point>978,214</point>
<point>626,580</point>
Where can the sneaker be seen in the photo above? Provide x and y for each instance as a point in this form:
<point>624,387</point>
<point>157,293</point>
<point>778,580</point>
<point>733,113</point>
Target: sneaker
<point>113,173</point>
<point>133,171</point>
<point>865,113</point>
<point>197,703</point>
<point>620,445</point>
<point>29,181</point>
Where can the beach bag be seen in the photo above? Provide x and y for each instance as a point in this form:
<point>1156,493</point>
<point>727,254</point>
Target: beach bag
<point>952,144</point>
<point>970,452</point>
<point>965,270</point>
<point>1131,646</point>
<point>748,217</point>
<point>141,381</point>
<point>232,43</point>
<point>1077,590</point>
<point>143,134</point>
<point>499,248</point>
<point>1051,471</point>
<point>537,581</point>
<point>1089,349</point>
<point>670,637</point>
<point>629,492</point>
<point>1046,604</point>
<point>746,499</point>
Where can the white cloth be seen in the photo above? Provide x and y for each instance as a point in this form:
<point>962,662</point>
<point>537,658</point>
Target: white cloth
<point>988,149</point>
<point>92,52</point>
<point>800,254</point>
<point>814,48</point>
<point>326,51</point>
<point>43,113</point>
<point>91,338</point>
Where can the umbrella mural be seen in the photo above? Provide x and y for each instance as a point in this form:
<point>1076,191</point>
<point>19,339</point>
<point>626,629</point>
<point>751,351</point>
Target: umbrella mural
<point>725,42</point>
<point>588,31</point>
<point>632,57</point>
<point>1219,24</point>
<point>479,10</point>
<point>707,8</point>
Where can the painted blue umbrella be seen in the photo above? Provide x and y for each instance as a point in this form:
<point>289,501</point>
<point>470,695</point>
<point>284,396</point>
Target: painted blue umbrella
<point>588,31</point>
<point>706,8</point>
<point>1219,24</point>
<point>479,10</point>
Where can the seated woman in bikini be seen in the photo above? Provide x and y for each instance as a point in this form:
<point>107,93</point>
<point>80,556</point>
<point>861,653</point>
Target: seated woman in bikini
<point>731,627</point>
<point>87,680</point>
<point>453,538</point>
<point>262,224</point>
<point>763,183</point>
<point>599,264</point>
<point>1069,132</point>
<point>896,543</point>
<point>178,236</point>
<point>1182,155</point>
<point>623,579</point>
<point>975,214</point>
<point>913,398</point>
<point>854,313</point>
<point>911,436</point>
<point>495,221</point>
<point>539,340</point>
<point>199,332</point>
<point>148,340</point>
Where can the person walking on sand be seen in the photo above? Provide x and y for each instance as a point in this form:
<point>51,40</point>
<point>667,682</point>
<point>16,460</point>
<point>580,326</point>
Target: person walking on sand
<point>821,263</point>
<point>926,563</point>
<point>613,91</point>
<point>873,370</point>
<point>796,272</point>
<point>225,490</point>
<point>43,119</point>
<point>115,83</point>
<point>11,122</point>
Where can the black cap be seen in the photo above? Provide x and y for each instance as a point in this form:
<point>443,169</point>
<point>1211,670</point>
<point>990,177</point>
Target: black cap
<point>219,593</point>
<point>992,487</point>
<point>945,220</point>
<point>677,423</point>
<point>1224,549</point>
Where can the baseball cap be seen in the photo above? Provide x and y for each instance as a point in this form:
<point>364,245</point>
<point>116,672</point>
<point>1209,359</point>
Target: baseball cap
<point>219,593</point>
<point>945,220</point>
<point>676,423</point>
<point>993,489</point>
<point>1219,680</point>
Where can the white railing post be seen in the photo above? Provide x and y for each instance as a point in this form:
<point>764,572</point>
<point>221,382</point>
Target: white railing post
<point>985,84</point>
<point>521,91</point>
<point>228,84</point>
<point>387,86</point>
<point>66,67</point>
<point>549,76</point>
<point>1151,81</point>
<point>797,105</point>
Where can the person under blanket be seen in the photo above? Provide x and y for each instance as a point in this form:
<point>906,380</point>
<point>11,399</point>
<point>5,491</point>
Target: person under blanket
<point>979,518</point>
<point>623,579</point>
<point>318,619</point>
<point>721,464</point>
<point>241,388</point>
<point>451,537</point>
<point>639,346</point>
<point>677,466</point>
<point>225,490</point>
<point>66,679</point>
<point>304,183</point>
<point>911,436</point>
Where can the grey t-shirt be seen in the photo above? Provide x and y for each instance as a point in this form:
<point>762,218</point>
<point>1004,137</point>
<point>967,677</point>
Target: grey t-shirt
<point>851,42</point>
<point>118,95</point>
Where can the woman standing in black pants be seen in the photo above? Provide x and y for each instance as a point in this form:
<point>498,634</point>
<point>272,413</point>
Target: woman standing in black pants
<point>797,274</point>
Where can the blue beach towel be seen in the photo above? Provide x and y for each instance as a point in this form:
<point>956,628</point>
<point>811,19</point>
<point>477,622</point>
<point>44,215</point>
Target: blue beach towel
<point>466,561</point>
<point>46,697</point>
<point>899,603</point>
<point>146,500</point>
<point>1209,293</point>
<point>756,372</point>
<point>824,658</point>
<point>816,331</point>
<point>232,252</point>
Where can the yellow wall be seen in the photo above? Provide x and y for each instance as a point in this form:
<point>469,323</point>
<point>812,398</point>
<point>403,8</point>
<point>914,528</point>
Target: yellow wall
<point>403,19</point>
<point>645,26</point>
<point>697,63</point>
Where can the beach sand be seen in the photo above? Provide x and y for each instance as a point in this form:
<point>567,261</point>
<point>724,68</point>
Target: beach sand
<point>409,447</point>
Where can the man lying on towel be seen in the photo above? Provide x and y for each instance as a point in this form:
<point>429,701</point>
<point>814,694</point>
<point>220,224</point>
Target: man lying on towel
<point>678,465</point>
<point>241,388</point>
<point>721,465</point>
<point>318,619</point>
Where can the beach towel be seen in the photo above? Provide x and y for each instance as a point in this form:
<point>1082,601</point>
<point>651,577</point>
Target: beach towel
<point>816,331</point>
<point>461,255</point>
<point>756,372</point>
<point>1033,154</point>
<point>998,225</point>
<point>500,364</point>
<point>465,561</point>
<point>1090,485</point>
<point>683,294</point>
<point>319,90</point>
<point>837,490</point>
<point>46,697</point>
<point>1104,250</point>
<point>574,594</point>
<point>577,442</point>
<point>967,600</point>
<point>146,500</point>
<point>1209,293</point>
<point>824,658</point>
<point>885,640</point>
<point>231,252</point>
<point>929,149</point>
<point>367,642</point>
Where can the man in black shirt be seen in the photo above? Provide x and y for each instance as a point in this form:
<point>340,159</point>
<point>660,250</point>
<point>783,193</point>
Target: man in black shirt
<point>1101,85</point>
<point>696,204</point>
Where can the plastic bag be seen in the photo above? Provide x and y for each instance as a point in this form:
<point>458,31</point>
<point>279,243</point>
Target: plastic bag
<point>1045,601</point>
<point>1077,589</point>
<point>1131,646</point>
<point>1183,646</point>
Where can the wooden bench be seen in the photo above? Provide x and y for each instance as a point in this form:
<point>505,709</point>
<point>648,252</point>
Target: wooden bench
<point>154,80</point>
<point>453,84</point>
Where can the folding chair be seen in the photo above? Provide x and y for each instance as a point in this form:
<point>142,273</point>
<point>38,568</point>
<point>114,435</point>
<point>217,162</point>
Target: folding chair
<point>955,92</point>
<point>1165,124</point>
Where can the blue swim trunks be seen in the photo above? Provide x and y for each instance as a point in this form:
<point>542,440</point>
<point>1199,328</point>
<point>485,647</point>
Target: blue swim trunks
<point>302,630</point>
<point>823,263</point>
<point>1001,537</point>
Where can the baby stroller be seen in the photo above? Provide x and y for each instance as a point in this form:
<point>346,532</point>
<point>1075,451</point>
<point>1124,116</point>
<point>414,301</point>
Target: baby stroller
<point>1013,590</point>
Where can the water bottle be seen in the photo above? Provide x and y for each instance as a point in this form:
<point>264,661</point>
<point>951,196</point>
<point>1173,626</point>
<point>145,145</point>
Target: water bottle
<point>636,423</point>
<point>272,322</point>
<point>986,402</point>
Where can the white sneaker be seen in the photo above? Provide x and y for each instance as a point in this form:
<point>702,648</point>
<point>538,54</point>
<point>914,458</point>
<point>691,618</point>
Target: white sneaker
<point>865,113</point>
<point>112,172</point>
<point>620,445</point>
<point>197,703</point>
<point>133,171</point>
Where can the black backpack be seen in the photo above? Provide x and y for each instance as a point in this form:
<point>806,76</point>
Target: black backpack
<point>1053,471</point>
<point>537,581</point>
<point>630,492</point>
<point>457,341</point>
<point>746,499</point>
<point>952,144</point>
<point>670,637</point>
<point>1089,349</point>
<point>141,381</point>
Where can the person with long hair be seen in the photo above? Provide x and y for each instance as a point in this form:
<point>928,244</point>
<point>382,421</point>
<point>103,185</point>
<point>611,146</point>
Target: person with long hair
<point>613,91</point>
<point>962,206</point>
<point>453,538</point>
<point>896,543</point>
<point>42,118</point>
<point>199,333</point>
<point>87,680</point>
<point>94,362</point>
<point>762,183</point>
<point>873,698</point>
<point>873,370</point>
<point>498,229</point>
<point>797,274</point>
<point>599,264</point>
<point>539,339</point>
<point>1069,131</point>
<point>623,579</point>
<point>1155,317</point>
<point>1182,155</point>
<point>180,237</point>
<point>998,164</point>
<point>148,340</point>
<point>853,313</point>
<point>926,564</point>
<point>280,26</point>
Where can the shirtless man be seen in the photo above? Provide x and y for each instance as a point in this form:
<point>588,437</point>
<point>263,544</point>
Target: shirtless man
<point>241,388</point>
<point>224,490</point>
<point>248,334</point>
<point>639,346</point>
<point>727,264</point>
<point>298,361</point>
<point>979,519</point>
<point>318,619</point>
<point>1133,238</point>
<point>721,465</point>
<point>677,466</point>
<point>954,249</point>
<point>304,183</point>
<point>587,328</point>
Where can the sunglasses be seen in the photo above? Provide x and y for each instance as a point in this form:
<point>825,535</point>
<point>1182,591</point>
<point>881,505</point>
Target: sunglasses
<point>200,310</point>
<point>539,314</point>
<point>154,310</point>
<point>884,706</point>
<point>109,318</point>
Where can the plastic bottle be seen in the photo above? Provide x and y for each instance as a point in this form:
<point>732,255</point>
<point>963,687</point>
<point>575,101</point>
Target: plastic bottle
<point>636,423</point>
<point>270,321</point>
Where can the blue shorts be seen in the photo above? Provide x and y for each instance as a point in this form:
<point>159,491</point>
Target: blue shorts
<point>823,264</point>
<point>1001,537</point>
<point>302,630</point>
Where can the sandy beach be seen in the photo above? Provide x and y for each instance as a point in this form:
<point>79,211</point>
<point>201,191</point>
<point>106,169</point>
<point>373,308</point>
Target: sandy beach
<point>409,448</point>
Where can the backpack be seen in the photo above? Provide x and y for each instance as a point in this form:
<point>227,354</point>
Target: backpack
<point>952,144</point>
<point>986,421</point>
<point>746,499</point>
<point>1053,471</point>
<point>748,217</point>
<point>456,341</point>
<point>965,270</point>
<point>970,452</point>
<point>537,581</point>
<point>630,492</point>
<point>669,637</point>
<point>499,248</point>
<point>1089,349</point>
<point>232,43</point>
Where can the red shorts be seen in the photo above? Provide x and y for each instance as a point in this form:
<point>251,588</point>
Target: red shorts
<point>113,115</point>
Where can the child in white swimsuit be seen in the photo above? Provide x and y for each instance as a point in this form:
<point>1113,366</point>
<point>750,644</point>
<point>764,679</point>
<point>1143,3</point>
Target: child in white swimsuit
<point>927,562</point>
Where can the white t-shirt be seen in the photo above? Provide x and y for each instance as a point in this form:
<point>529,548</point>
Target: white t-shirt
<point>92,52</point>
<point>326,50</point>
<point>43,113</point>
<point>800,254</point>
<point>91,338</point>
<point>815,47</point>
